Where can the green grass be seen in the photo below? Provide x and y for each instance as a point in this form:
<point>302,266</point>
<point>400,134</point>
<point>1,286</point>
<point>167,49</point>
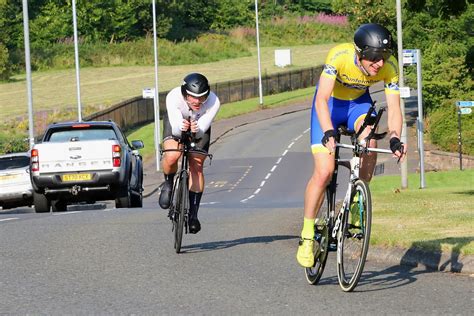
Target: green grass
<point>146,133</point>
<point>437,218</point>
<point>103,87</point>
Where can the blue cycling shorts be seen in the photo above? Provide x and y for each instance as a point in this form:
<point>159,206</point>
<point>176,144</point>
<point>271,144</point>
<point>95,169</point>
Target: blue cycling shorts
<point>346,113</point>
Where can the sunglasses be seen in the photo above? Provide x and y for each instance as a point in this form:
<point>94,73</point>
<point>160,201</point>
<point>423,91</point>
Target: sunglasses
<point>201,99</point>
<point>376,54</point>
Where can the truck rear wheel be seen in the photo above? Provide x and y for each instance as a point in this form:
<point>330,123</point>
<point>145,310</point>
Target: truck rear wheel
<point>41,202</point>
<point>124,197</point>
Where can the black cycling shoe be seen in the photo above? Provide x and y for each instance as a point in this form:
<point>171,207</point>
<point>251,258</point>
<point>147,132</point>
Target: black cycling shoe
<point>194,226</point>
<point>165,195</point>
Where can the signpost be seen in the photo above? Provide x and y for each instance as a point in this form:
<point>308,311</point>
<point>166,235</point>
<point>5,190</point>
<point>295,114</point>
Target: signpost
<point>413,57</point>
<point>464,107</point>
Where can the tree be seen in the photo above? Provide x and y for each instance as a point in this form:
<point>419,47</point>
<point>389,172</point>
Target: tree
<point>368,11</point>
<point>4,63</point>
<point>232,13</point>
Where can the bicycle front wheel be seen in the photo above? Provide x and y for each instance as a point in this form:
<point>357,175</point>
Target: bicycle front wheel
<point>321,245</point>
<point>181,207</point>
<point>354,236</point>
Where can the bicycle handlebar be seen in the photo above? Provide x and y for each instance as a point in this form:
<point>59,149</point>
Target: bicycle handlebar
<point>369,149</point>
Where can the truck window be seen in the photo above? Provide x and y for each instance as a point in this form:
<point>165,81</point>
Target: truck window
<point>14,162</point>
<point>74,135</point>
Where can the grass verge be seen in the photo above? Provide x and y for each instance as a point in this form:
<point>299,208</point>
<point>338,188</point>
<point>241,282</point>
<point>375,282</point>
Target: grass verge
<point>437,218</point>
<point>105,86</point>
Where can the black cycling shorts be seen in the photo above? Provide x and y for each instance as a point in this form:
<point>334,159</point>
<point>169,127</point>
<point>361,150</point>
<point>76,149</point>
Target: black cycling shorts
<point>201,143</point>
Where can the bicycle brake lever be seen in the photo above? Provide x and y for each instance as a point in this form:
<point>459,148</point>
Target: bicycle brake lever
<point>401,151</point>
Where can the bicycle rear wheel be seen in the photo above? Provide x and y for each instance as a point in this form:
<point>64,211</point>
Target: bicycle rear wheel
<point>354,236</point>
<point>182,201</point>
<point>321,236</point>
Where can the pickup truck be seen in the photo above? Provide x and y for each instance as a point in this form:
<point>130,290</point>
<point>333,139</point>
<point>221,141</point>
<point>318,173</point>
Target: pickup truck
<point>85,162</point>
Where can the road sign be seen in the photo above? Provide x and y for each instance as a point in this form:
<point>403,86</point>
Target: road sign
<point>148,93</point>
<point>465,103</point>
<point>465,110</point>
<point>409,56</point>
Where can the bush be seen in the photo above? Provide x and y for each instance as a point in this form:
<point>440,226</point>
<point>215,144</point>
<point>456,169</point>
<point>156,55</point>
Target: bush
<point>206,48</point>
<point>298,30</point>
<point>443,129</point>
<point>13,143</point>
<point>4,63</point>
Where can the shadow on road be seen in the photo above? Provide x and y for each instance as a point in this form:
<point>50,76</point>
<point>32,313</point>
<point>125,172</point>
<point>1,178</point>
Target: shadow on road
<point>215,245</point>
<point>435,259</point>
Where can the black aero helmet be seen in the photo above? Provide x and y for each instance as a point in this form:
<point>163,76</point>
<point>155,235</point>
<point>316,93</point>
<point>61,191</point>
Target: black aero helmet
<point>196,85</point>
<point>373,42</point>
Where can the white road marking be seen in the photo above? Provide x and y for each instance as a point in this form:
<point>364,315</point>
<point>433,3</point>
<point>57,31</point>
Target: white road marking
<point>67,213</point>
<point>8,219</point>
<point>209,203</point>
<point>273,168</point>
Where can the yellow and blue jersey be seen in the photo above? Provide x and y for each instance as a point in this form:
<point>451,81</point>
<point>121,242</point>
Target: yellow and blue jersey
<point>351,83</point>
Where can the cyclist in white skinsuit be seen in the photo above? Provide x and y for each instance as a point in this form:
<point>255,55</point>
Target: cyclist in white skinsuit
<point>190,107</point>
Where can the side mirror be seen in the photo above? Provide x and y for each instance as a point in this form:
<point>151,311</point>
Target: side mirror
<point>137,144</point>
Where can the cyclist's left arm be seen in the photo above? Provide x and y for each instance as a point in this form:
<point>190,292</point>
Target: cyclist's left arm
<point>395,120</point>
<point>204,122</point>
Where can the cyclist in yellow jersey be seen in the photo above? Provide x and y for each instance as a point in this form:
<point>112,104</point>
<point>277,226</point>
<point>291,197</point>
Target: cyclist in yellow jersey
<point>342,98</point>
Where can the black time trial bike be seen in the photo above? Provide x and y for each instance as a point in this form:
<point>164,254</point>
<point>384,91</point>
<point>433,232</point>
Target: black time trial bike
<point>179,205</point>
<point>347,228</point>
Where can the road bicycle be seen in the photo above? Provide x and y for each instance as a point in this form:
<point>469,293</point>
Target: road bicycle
<point>347,229</point>
<point>179,205</point>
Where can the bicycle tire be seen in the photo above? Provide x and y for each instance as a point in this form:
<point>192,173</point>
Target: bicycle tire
<point>321,245</point>
<point>174,206</point>
<point>182,206</point>
<point>353,238</point>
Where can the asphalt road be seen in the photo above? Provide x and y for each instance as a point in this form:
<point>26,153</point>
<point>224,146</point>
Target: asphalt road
<point>122,261</point>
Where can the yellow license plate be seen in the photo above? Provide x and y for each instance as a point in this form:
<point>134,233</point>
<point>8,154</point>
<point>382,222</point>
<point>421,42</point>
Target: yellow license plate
<point>76,177</point>
<point>8,177</point>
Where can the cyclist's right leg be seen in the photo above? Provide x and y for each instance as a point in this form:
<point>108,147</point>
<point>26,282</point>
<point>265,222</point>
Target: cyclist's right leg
<point>315,189</point>
<point>169,164</point>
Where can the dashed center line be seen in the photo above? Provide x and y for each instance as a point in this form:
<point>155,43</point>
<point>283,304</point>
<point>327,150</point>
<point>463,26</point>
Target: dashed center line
<point>274,167</point>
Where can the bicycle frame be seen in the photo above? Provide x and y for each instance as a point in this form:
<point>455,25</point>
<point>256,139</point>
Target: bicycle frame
<point>178,213</point>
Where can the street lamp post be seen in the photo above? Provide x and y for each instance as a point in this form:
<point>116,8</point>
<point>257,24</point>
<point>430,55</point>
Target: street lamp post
<point>403,137</point>
<point>258,54</point>
<point>156,101</point>
<point>29,89</point>
<point>76,55</point>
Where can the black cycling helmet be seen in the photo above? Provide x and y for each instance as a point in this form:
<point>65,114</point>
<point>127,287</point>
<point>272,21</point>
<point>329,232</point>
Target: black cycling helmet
<point>373,42</point>
<point>196,85</point>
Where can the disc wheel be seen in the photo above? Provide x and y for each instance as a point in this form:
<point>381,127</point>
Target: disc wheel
<point>181,207</point>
